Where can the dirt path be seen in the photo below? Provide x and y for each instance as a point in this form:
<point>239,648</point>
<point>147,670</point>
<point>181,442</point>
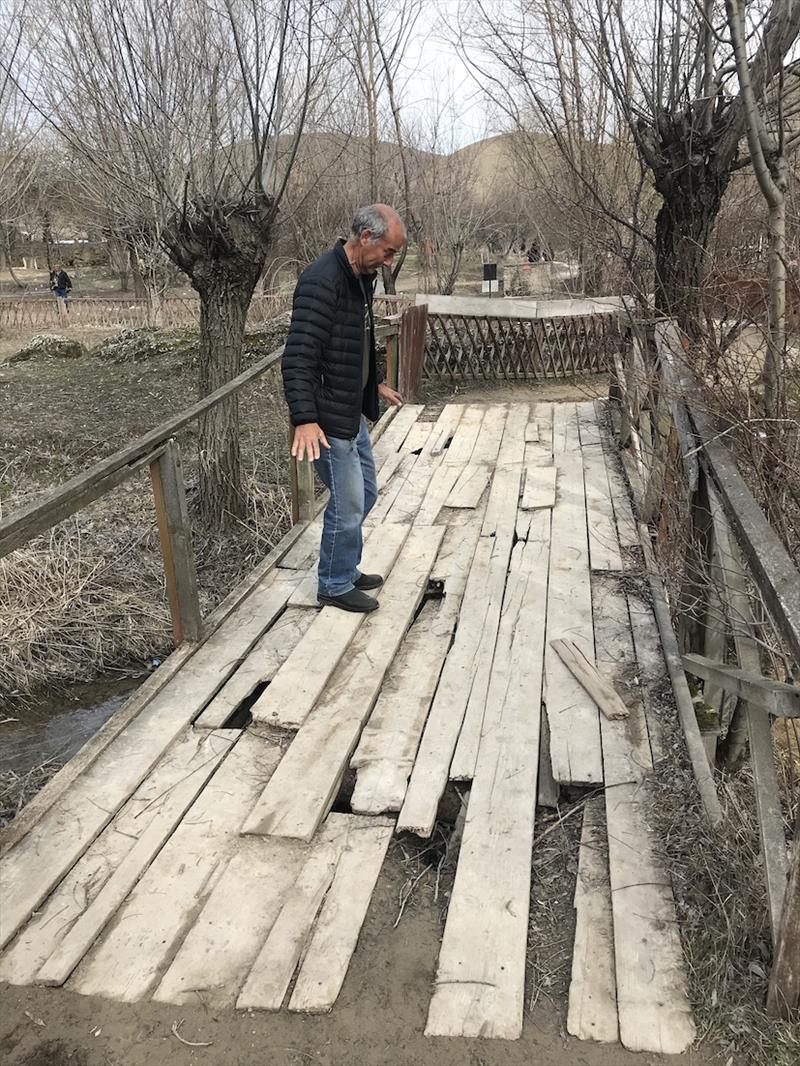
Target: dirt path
<point>378,1019</point>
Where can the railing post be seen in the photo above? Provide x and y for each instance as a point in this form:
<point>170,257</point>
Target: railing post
<point>392,360</point>
<point>175,532</point>
<point>301,486</point>
<point>783,996</point>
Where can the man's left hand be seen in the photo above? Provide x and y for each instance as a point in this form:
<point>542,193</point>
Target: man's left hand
<point>390,395</point>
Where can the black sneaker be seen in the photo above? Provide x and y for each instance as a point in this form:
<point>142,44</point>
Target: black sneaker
<point>354,600</point>
<point>368,581</point>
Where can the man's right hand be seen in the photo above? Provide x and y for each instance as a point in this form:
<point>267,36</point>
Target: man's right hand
<point>306,442</point>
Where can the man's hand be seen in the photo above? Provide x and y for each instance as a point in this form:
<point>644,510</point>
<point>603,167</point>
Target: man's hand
<point>306,442</point>
<point>389,394</point>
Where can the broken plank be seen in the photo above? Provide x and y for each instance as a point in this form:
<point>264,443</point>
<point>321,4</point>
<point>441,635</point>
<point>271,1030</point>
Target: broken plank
<point>480,982</point>
<point>385,754</point>
<point>304,675</point>
<point>592,1013</point>
<point>260,666</point>
<point>300,793</point>
<point>396,432</point>
<point>458,547</point>
<point>443,430</point>
<point>431,767</point>
<point>532,433</point>
<point>465,436</point>
<point>601,690</point>
<point>129,960</point>
<point>206,753</point>
<point>540,488</point>
<point>334,939</point>
<point>393,489</point>
<point>406,506</point>
<point>470,486</point>
<point>439,488</point>
<point>36,864</point>
<point>417,438</point>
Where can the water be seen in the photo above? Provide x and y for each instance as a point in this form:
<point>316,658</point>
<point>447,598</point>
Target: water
<point>56,727</point>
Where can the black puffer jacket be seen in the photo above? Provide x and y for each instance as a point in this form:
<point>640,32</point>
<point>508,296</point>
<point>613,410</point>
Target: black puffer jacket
<point>323,359</point>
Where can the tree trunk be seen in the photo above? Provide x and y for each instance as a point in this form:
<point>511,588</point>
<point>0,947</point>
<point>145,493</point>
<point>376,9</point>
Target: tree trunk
<point>223,314</point>
<point>683,228</point>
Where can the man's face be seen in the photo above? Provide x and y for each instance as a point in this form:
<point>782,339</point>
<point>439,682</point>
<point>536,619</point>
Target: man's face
<point>375,254</point>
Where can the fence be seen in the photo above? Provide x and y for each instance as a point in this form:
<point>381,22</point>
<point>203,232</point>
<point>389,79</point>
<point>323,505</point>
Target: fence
<point>733,586</point>
<point>175,311</point>
<point>464,347</point>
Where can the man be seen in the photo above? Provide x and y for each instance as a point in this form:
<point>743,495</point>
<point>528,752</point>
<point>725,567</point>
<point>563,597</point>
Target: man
<point>60,284</point>
<point>331,382</point>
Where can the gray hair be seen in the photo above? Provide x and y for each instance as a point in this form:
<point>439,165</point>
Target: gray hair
<point>370,218</point>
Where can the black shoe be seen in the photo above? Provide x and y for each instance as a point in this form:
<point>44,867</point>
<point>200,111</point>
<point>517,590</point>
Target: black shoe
<point>354,600</point>
<point>368,581</point>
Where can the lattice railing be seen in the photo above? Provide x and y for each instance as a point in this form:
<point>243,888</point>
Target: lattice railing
<point>463,348</point>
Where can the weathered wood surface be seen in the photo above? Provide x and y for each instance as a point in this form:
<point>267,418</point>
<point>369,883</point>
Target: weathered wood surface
<point>783,997</point>
<point>540,487</point>
<point>599,688</point>
<point>480,983</point>
<point>301,791</point>
<point>592,1012</point>
<point>770,697</point>
<point>38,862</point>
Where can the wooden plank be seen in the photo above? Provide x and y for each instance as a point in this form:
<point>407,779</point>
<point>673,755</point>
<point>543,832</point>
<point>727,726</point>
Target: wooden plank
<point>627,533</point>
<point>465,436</point>
<point>260,666</point>
<point>306,550</point>
<point>470,486</point>
<point>205,754</point>
<point>600,689</point>
<point>132,955</point>
<point>439,488</point>
<point>58,785</point>
<point>334,940</point>
<point>394,488</point>
<point>540,488</point>
<point>771,697</point>
<point>588,427</point>
<point>503,498</point>
<point>213,961</point>
<point>592,1013</point>
<point>302,790</point>
<point>652,997</point>
<point>487,446</point>
<point>604,553</point>
<point>512,446</point>
<point>272,972</point>
<point>480,983</point>
<point>443,430</point>
<point>418,437</point>
<point>406,506</point>
<point>305,595</point>
<point>38,862</point>
<point>458,547</point>
<point>571,712</point>
<point>385,754</point>
<point>396,433</point>
<point>532,433</point>
<point>304,676</point>
<point>429,776</point>
<point>37,941</point>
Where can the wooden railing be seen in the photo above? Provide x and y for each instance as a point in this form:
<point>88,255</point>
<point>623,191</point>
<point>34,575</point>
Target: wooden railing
<point>159,450</point>
<point>686,485</point>
<point>45,312</point>
<point>464,347</point>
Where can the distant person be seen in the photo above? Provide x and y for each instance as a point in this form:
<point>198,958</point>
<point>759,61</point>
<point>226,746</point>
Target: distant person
<point>331,382</point>
<point>60,284</point>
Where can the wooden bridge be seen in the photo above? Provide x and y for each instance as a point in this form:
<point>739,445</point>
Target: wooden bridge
<point>221,839</point>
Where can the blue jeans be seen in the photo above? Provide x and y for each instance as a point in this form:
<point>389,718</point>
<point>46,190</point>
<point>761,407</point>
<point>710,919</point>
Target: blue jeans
<point>347,469</point>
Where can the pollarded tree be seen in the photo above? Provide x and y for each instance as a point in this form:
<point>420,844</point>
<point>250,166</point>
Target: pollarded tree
<point>188,115</point>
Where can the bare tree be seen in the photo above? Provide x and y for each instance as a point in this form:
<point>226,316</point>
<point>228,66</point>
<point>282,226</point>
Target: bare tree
<point>188,115</point>
<point>664,74</point>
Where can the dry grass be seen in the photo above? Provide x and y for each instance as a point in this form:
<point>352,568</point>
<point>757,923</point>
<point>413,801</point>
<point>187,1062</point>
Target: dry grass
<point>16,789</point>
<point>717,878</point>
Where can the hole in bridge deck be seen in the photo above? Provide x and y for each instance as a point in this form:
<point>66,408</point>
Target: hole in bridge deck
<point>241,716</point>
